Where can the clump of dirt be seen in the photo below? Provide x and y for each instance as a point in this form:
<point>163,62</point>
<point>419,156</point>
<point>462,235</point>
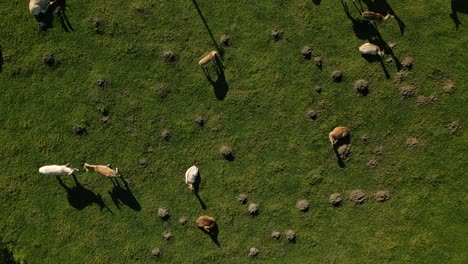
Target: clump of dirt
<point>163,213</point>
<point>337,76</point>
<point>224,39</point>
<point>412,142</point>
<point>311,115</point>
<point>150,150</point>
<point>357,196</point>
<point>372,163</point>
<point>302,205</point>
<point>344,151</point>
<point>361,87</point>
<point>306,53</point>
<point>315,179</point>
<point>407,91</point>
<point>143,162</point>
<point>424,100</point>
<point>400,77</point>
<point>166,134</point>
<point>335,199</point>
<point>254,209</point>
<point>389,60</point>
<point>130,130</point>
<point>6,57</point>
<point>80,130</point>
<point>318,89</point>
<point>102,83</point>
<point>277,34</point>
<point>105,120</point>
<point>131,119</point>
<point>449,87</point>
<point>227,153</point>
<point>169,56</point>
<point>49,59</point>
<point>392,44</point>
<point>167,235</point>
<point>183,220</point>
<point>200,121</point>
<point>322,104</point>
<point>454,126</point>
<point>407,63</point>
<point>318,62</point>
<point>126,93</point>
<point>379,150</point>
<point>242,198</point>
<point>276,235</point>
<point>253,252</point>
<point>162,91</point>
<point>156,252</point>
<point>365,138</point>
<point>291,235</point>
<point>98,25</point>
<point>382,196</point>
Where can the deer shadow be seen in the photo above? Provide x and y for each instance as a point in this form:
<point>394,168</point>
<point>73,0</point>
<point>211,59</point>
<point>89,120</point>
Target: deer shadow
<point>80,197</point>
<point>213,234</point>
<point>220,85</point>
<point>458,6</point>
<point>45,20</point>
<point>376,58</point>
<point>218,48</point>
<point>1,58</point>
<point>317,2</point>
<point>123,195</point>
<point>341,142</point>
<point>383,7</point>
<point>196,188</point>
<point>362,29</point>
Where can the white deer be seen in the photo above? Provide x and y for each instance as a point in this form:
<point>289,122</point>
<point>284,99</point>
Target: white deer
<point>57,169</point>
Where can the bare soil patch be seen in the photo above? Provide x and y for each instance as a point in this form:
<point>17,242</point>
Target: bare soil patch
<point>224,39</point>
<point>335,199</point>
<point>400,77</point>
<point>407,91</point>
<point>361,87</point>
<point>407,63</point>
<point>337,76</point>
<point>372,163</point>
<point>242,198</point>
<point>276,234</point>
<point>277,34</point>
<point>412,142</point>
<point>357,196</point>
<point>311,115</point>
<point>382,196</point>
<point>302,205</point>
<point>306,53</point>
<point>254,209</point>
<point>449,87</point>
<point>454,126</point>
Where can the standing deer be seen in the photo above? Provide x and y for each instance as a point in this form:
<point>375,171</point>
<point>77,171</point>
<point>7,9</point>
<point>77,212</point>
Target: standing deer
<point>103,170</point>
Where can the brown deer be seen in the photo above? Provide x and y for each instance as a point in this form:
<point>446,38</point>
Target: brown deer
<point>103,170</point>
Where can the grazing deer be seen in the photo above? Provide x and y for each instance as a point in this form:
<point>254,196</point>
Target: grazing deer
<point>206,222</point>
<point>103,169</point>
<point>205,61</point>
<point>337,133</point>
<point>370,49</point>
<point>57,170</point>
<point>374,18</point>
<point>191,176</point>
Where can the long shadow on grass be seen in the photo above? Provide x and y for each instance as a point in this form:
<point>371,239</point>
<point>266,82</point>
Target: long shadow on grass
<point>340,157</point>
<point>196,188</point>
<point>458,6</point>
<point>213,234</point>
<point>383,7</point>
<point>79,197</point>
<point>123,195</point>
<point>45,20</point>
<point>218,48</point>
<point>1,58</point>
<point>61,14</point>
<point>220,85</point>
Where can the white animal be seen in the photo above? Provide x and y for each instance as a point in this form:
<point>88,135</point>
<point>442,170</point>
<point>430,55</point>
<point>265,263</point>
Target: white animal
<point>370,49</point>
<point>57,170</point>
<point>191,176</point>
<point>39,6</point>
<point>337,133</point>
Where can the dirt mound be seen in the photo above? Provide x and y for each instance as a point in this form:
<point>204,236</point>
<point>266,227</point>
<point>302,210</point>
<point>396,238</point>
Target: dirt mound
<point>379,150</point>
<point>105,120</point>
<point>224,39</point>
<point>318,62</point>
<point>424,100</point>
<point>412,142</point>
<point>169,56</point>
<point>322,104</point>
<point>163,213</point>
<point>276,235</point>
<point>407,91</point>
<point>372,163</point>
<point>357,196</point>
<point>162,91</point>
<point>98,24</point>
<point>183,220</point>
<point>335,199</point>
<point>242,198</point>
<point>302,205</point>
<point>318,89</point>
<point>291,235</point>
<point>400,77</point>
<point>337,76</point>
<point>156,252</point>
<point>361,87</point>
<point>166,135</point>
<point>306,53</point>
<point>315,179</point>
<point>143,162</point>
<point>254,209</point>
<point>253,252</point>
<point>454,126</point>
<point>382,196</point>
<point>407,63</point>
<point>167,235</point>
<point>449,87</point>
<point>311,115</point>
<point>49,59</point>
<point>200,121</point>
<point>102,82</point>
<point>227,153</point>
<point>344,151</point>
<point>365,138</point>
<point>277,34</point>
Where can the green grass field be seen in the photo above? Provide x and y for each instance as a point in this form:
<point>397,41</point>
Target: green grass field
<point>262,117</point>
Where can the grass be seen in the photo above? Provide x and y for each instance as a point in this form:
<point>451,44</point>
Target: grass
<point>261,118</point>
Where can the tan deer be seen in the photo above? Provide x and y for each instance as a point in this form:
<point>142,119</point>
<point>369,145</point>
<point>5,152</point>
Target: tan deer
<point>205,61</point>
<point>206,222</point>
<point>337,133</point>
<point>103,169</point>
<point>374,18</point>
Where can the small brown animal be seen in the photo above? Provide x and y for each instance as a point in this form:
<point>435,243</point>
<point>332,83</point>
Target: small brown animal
<point>208,59</point>
<point>206,222</point>
<point>337,133</point>
<point>373,17</point>
<point>103,169</point>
